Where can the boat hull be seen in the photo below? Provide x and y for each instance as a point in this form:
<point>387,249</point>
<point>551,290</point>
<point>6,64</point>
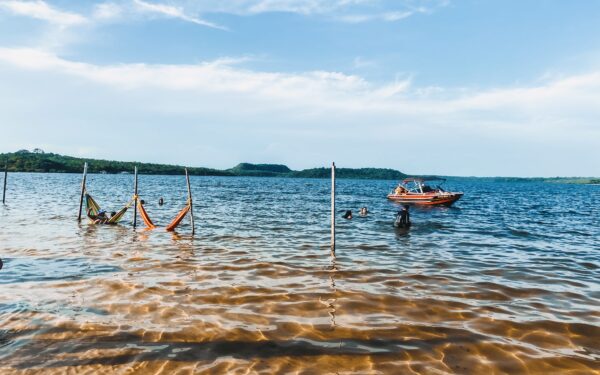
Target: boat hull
<point>426,199</point>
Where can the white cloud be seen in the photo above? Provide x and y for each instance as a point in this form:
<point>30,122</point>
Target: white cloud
<point>42,11</point>
<point>353,11</point>
<point>173,12</point>
<point>107,11</point>
<point>321,89</point>
<point>321,109</point>
<point>387,16</point>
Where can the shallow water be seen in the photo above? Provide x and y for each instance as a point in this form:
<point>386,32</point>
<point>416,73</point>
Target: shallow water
<point>506,281</point>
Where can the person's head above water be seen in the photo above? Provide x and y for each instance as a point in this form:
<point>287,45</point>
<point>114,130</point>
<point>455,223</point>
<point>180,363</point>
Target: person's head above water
<point>113,213</point>
<point>348,214</point>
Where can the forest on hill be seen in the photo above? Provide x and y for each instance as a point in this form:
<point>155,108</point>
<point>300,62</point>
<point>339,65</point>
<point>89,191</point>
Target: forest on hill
<point>43,162</point>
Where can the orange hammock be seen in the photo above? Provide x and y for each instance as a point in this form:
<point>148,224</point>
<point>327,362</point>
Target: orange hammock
<point>172,225</point>
<point>178,218</point>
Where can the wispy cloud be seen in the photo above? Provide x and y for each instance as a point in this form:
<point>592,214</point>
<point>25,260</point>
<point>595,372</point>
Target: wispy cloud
<point>386,16</point>
<point>321,89</point>
<point>333,107</point>
<point>43,11</point>
<point>353,11</point>
<point>173,12</point>
<point>102,11</point>
<point>214,76</point>
<point>107,11</point>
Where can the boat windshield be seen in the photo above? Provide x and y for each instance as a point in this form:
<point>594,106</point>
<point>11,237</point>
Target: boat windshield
<point>417,185</point>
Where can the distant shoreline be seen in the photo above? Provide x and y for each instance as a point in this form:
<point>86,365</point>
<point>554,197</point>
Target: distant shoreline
<point>41,162</point>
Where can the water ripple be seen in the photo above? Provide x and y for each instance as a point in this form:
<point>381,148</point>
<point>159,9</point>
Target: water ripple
<point>504,282</point>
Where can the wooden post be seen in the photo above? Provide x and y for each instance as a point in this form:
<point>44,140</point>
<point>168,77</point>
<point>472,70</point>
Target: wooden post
<point>5,178</point>
<point>135,199</point>
<point>187,177</point>
<point>85,166</point>
<point>333,209</point>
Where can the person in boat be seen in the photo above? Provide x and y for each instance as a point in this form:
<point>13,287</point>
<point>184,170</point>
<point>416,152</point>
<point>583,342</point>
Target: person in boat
<point>363,211</point>
<point>402,218</point>
<point>99,218</point>
<point>400,190</point>
<point>348,215</point>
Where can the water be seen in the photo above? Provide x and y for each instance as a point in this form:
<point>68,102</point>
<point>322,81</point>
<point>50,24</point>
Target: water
<point>506,281</point>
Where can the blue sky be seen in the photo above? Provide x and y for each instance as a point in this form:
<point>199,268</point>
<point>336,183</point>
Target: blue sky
<point>469,87</point>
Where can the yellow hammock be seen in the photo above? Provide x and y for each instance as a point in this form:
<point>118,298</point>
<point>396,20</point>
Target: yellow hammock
<point>94,208</point>
<point>171,227</point>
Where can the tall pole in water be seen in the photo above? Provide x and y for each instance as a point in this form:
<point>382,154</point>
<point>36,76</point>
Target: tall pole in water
<point>85,166</point>
<point>187,177</point>
<point>5,178</point>
<point>135,197</point>
<point>333,209</point>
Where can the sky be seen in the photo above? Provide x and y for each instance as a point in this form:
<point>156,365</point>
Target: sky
<point>449,87</point>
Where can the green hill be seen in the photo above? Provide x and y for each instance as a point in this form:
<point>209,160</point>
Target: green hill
<point>356,173</point>
<point>260,170</point>
<point>40,161</point>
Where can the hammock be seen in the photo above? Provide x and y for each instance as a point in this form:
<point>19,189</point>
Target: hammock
<point>171,227</point>
<point>91,205</point>
<point>178,218</point>
<point>94,208</point>
<point>145,216</point>
<point>119,215</point>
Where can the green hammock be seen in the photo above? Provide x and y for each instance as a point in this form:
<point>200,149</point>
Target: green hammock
<point>94,208</point>
<point>91,205</point>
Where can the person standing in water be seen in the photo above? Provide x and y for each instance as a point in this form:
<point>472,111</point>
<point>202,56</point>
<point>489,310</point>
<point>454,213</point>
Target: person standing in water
<point>403,218</point>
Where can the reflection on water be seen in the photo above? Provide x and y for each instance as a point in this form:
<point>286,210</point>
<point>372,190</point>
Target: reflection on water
<point>504,282</point>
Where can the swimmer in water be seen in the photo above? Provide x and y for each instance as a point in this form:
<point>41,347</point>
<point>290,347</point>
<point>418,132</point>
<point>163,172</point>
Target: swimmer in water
<point>348,215</point>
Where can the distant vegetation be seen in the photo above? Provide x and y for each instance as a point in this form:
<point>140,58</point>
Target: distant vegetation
<point>39,161</point>
<point>554,180</point>
<point>260,170</point>
<point>360,173</point>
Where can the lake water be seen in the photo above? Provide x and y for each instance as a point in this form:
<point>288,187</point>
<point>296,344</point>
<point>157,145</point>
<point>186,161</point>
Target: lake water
<point>505,281</point>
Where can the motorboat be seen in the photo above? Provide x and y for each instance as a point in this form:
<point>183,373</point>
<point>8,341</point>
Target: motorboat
<point>416,190</point>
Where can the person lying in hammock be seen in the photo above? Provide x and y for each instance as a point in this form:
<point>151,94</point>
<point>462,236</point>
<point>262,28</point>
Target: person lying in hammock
<point>99,218</point>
